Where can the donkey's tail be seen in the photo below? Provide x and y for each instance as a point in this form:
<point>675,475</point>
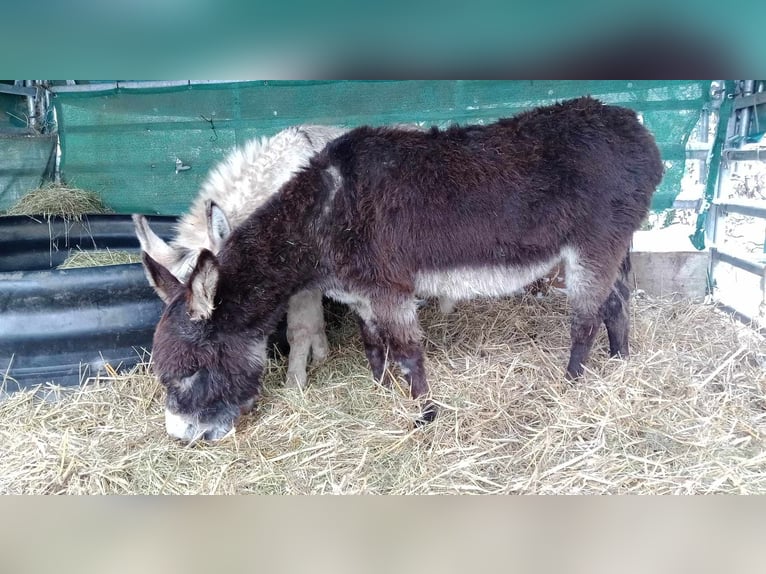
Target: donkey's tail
<point>625,267</point>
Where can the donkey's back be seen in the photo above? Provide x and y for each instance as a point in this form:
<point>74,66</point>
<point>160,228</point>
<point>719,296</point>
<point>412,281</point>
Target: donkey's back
<point>579,175</point>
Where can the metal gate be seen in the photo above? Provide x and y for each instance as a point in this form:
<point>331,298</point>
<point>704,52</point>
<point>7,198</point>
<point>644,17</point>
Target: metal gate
<point>736,226</point>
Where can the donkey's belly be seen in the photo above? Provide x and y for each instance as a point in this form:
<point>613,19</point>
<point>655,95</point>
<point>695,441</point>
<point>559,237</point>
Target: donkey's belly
<point>485,281</point>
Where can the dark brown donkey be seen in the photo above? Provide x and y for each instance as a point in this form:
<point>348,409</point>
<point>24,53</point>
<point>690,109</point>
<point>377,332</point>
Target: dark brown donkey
<point>382,215</point>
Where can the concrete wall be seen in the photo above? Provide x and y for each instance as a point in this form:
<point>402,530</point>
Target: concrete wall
<point>661,274</point>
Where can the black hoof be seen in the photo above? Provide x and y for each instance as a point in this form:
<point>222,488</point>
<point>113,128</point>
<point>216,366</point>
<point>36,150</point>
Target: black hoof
<point>574,373</point>
<point>428,415</point>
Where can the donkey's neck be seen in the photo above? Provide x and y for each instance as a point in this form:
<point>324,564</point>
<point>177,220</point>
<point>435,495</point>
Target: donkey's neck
<point>271,256</point>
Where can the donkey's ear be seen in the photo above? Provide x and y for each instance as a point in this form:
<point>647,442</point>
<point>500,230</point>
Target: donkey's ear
<point>203,283</point>
<point>163,281</point>
<point>218,228</point>
<point>152,244</point>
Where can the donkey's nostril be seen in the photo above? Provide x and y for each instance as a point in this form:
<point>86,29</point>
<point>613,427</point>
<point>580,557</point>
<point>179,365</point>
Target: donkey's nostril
<point>215,433</point>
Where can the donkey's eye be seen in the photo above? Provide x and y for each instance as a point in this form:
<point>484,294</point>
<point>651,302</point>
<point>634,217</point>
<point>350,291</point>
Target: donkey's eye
<point>189,379</point>
<point>196,377</point>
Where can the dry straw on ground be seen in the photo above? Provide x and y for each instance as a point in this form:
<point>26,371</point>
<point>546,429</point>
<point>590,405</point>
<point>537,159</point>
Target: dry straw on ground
<point>98,258</point>
<point>53,200</point>
<point>686,414</point>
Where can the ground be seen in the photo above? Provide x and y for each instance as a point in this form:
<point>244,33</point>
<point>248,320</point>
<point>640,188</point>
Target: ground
<point>685,414</point>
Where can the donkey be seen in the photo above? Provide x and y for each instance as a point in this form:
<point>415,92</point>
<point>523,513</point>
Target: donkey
<point>382,215</point>
<point>235,188</point>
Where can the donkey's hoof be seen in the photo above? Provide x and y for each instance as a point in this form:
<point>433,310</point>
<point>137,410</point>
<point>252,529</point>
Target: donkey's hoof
<point>296,380</point>
<point>427,415</point>
<point>319,350</point>
<point>447,305</point>
<point>574,372</point>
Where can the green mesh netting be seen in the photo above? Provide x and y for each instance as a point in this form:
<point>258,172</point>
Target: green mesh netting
<point>124,143</point>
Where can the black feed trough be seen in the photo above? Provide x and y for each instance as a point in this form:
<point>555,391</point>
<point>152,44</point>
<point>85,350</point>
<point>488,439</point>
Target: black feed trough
<point>64,325</point>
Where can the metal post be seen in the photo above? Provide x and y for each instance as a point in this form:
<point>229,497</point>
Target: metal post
<point>702,137</point>
<point>47,107</point>
<point>41,107</point>
<point>57,165</point>
<point>762,309</point>
<point>744,116</point>
<point>758,89</point>
<point>704,128</point>
<point>761,319</point>
<point>31,119</point>
<point>716,214</point>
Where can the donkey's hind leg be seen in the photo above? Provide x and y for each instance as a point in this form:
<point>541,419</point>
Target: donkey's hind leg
<point>305,322</point>
<point>583,332</point>
<point>589,285</point>
<point>319,345</point>
<point>616,314</point>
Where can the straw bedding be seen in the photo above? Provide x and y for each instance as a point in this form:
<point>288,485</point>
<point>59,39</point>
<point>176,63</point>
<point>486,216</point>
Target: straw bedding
<point>98,258</point>
<point>686,414</point>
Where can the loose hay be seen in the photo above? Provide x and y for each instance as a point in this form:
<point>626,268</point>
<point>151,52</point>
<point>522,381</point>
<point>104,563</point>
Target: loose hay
<point>53,200</point>
<point>98,258</point>
<point>685,415</point>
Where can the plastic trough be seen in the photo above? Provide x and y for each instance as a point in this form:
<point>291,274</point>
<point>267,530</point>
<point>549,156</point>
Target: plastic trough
<point>63,326</point>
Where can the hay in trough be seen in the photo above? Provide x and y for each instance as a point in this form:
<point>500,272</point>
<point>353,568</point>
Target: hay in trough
<point>98,258</point>
<point>56,200</point>
<point>686,414</point>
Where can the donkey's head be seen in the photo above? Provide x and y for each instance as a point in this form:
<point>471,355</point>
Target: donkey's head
<point>208,361</point>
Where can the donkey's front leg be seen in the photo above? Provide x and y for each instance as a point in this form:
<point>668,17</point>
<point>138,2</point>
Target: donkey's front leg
<point>409,357</point>
<point>399,328</point>
<point>375,350</point>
